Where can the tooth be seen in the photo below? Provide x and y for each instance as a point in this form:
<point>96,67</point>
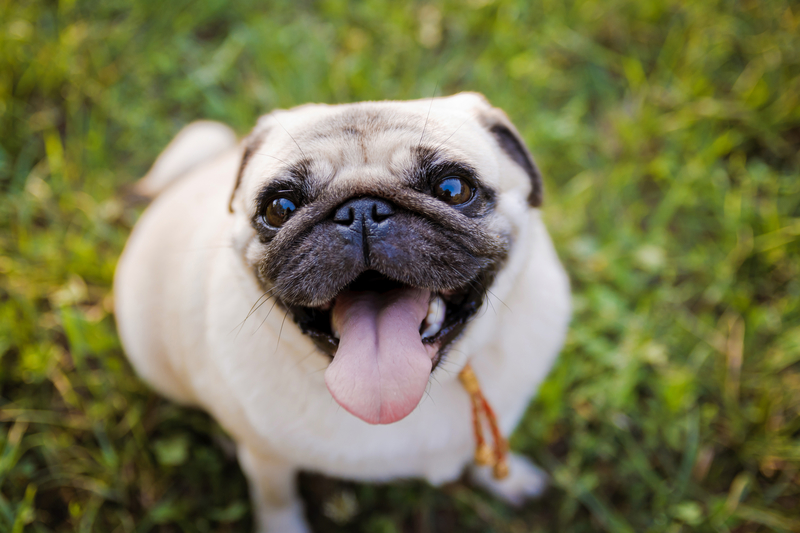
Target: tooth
<point>435,318</point>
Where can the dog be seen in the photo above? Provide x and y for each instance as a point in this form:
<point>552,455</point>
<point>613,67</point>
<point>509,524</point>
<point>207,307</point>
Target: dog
<point>319,287</point>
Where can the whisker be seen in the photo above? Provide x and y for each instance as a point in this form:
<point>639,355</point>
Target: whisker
<point>217,247</point>
<point>253,309</point>
<point>472,115</point>
<point>273,157</point>
<point>274,303</point>
<point>481,288</point>
<point>290,136</point>
<point>428,393</point>
<point>419,143</point>
<point>486,291</point>
<point>445,361</point>
<point>277,344</point>
<point>442,364</point>
<point>498,299</point>
<point>308,355</point>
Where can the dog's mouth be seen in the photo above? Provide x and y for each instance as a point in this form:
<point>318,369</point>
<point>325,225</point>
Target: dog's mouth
<point>448,313</point>
<point>385,338</point>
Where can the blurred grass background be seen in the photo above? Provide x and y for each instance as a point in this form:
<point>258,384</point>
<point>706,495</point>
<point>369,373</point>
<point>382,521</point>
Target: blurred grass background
<point>668,133</point>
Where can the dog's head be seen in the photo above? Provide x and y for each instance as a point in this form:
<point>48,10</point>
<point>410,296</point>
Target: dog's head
<point>379,227</point>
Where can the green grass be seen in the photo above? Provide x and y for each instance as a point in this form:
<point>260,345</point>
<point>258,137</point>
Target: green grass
<point>669,136</point>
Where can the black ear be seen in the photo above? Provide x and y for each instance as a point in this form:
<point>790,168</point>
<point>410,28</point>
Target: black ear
<point>251,144</point>
<point>512,145</point>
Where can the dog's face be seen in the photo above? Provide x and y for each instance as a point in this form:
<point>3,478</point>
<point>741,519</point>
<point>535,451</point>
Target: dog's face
<point>379,227</point>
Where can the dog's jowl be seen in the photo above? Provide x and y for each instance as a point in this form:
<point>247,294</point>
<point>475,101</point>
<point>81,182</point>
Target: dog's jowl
<point>320,287</point>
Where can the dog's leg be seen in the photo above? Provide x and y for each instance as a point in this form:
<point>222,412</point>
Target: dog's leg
<point>525,480</point>
<point>276,505</point>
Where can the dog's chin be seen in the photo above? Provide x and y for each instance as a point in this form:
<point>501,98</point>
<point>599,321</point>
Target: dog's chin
<point>448,313</point>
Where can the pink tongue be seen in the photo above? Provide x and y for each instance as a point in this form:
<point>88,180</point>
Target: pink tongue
<point>381,367</point>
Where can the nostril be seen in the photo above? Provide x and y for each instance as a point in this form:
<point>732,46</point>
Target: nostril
<point>345,215</point>
<point>363,209</point>
<point>379,215</point>
<point>381,211</point>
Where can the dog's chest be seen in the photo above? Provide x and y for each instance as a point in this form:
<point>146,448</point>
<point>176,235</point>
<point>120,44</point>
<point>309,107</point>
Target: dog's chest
<point>292,415</point>
<point>272,392</point>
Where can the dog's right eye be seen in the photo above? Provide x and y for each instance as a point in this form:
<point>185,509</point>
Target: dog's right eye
<point>278,211</point>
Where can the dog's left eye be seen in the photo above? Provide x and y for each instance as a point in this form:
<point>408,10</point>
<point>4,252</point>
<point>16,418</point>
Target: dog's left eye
<point>278,211</point>
<point>453,190</point>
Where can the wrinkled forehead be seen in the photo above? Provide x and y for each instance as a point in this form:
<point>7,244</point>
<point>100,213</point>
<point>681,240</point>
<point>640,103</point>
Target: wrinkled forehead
<point>374,141</point>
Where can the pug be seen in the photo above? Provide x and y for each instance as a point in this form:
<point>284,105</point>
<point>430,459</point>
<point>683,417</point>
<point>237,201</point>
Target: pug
<point>319,287</point>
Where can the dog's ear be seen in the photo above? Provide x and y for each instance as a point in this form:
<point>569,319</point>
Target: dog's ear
<point>251,144</point>
<point>510,141</point>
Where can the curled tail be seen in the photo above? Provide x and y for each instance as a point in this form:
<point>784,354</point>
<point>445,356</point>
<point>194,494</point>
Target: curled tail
<point>196,143</point>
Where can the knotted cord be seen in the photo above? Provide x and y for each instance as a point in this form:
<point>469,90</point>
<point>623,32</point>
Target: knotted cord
<point>485,455</point>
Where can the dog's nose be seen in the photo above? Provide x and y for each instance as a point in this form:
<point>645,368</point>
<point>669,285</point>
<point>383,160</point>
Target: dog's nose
<point>361,211</point>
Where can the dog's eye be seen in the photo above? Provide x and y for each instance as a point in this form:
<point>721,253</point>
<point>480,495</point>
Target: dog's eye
<point>453,190</point>
<point>278,211</point>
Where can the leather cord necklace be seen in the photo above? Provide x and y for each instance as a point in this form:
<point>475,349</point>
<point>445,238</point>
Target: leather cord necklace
<point>485,455</point>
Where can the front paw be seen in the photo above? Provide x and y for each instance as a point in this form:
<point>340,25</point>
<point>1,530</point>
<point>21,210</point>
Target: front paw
<point>524,481</point>
<point>286,520</point>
